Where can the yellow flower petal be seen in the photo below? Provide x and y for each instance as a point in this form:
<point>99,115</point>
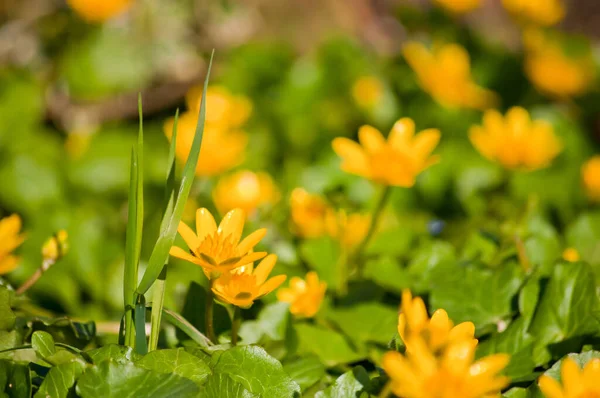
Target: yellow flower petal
<point>205,223</point>
<point>271,285</point>
<point>8,264</point>
<point>182,254</point>
<point>550,387</point>
<point>232,225</point>
<point>371,139</point>
<point>188,236</point>
<point>264,268</point>
<point>251,240</point>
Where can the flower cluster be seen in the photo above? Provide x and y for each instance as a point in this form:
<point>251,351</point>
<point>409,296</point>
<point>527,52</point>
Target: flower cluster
<point>246,190</point>
<point>440,357</point>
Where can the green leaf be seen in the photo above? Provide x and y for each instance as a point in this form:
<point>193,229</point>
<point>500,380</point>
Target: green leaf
<point>425,261</point>
<point>350,384</point>
<point>7,317</point>
<point>584,235</point>
<point>394,242</point>
<point>43,344</point>
<point>60,380</point>
<point>565,310</point>
<point>367,322</point>
<point>516,392</point>
<point>178,362</point>
<point>254,369</point>
<point>580,360</point>
<point>305,371</point>
<point>387,273</point>
<point>160,253</point>
<point>111,379</point>
<point>221,385</point>
<point>470,293</point>
<point>115,352</point>
<point>187,328</point>
<point>15,379</point>
<point>331,347</point>
<point>322,255</point>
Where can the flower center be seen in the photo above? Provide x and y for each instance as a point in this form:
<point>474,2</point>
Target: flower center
<point>217,249</point>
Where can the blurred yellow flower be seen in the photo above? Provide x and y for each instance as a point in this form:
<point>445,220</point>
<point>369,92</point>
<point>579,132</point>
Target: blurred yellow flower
<point>396,161</point>
<point>348,229</point>
<point>515,141</point>
<point>575,382</point>
<point>570,254</point>
<point>99,10</point>
<point>436,332</point>
<point>540,12</point>
<point>305,297</point>
<point>367,91</point>
<point>56,246</point>
<point>243,288</point>
<point>223,109</point>
<point>459,6</point>
<point>445,73</point>
<point>221,149</point>
<point>10,239</point>
<point>422,374</point>
<point>590,174</point>
<point>554,72</point>
<point>308,214</point>
<point>218,250</point>
<point>246,190</point>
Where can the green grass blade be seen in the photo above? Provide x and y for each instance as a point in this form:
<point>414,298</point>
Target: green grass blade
<point>140,186</point>
<point>158,299</point>
<point>160,253</point>
<point>171,176</point>
<point>141,346</point>
<point>182,324</point>
<point>130,272</point>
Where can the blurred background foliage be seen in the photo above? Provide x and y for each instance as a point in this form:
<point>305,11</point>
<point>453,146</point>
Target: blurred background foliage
<point>313,70</point>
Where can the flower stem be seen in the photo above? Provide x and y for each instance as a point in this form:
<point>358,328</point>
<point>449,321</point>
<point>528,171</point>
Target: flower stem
<point>358,253</point>
<point>46,264</point>
<point>235,325</point>
<point>208,314</point>
<point>158,299</point>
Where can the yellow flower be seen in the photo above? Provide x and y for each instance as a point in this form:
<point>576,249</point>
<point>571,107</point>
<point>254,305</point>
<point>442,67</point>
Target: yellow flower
<point>243,288</point>
<point>422,374</point>
<point>515,141</point>
<point>246,190</point>
<point>348,229</point>
<point>10,239</point>
<point>436,332</point>
<point>445,74</point>
<point>99,10</point>
<point>554,72</point>
<point>308,214</point>
<point>541,12</point>
<point>221,149</point>
<point>590,174</point>
<point>396,161</point>
<point>305,297</point>
<point>571,254</point>
<point>56,246</point>
<point>223,109</point>
<point>367,91</point>
<point>575,382</point>
<point>218,250</point>
<point>459,6</point>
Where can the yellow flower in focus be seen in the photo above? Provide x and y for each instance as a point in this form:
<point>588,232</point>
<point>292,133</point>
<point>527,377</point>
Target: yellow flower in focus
<point>305,296</point>
<point>554,72</point>
<point>308,214</point>
<point>367,91</point>
<point>221,149</point>
<point>99,10</point>
<point>243,288</point>
<point>515,141</point>
<point>223,109</point>
<point>445,74</point>
<point>397,161</point>
<point>590,174</point>
<point>575,382</point>
<point>10,239</point>
<point>436,332</point>
<point>245,190</point>
<point>571,254</point>
<point>540,12</point>
<point>459,6</point>
<point>56,246</point>
<point>422,374</point>
<point>348,229</point>
<point>218,250</point>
